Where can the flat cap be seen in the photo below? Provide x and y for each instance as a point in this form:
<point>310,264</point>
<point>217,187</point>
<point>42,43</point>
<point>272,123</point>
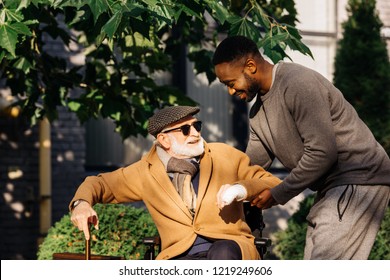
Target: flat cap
<point>168,116</point>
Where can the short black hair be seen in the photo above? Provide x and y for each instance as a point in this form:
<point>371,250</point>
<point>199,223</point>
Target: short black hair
<point>234,47</point>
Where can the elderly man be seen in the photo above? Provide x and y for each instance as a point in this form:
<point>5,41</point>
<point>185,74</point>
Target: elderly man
<point>192,189</point>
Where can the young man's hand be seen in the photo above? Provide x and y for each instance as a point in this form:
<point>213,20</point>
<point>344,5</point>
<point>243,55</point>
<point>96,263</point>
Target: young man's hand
<point>264,200</point>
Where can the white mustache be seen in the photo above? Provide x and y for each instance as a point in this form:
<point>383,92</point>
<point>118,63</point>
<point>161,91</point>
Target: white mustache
<point>192,140</point>
<point>187,150</point>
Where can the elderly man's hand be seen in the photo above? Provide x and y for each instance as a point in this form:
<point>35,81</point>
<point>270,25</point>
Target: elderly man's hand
<point>264,200</point>
<point>82,216</point>
<point>227,193</point>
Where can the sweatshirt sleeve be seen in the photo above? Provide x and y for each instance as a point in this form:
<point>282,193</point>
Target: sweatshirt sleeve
<point>310,110</point>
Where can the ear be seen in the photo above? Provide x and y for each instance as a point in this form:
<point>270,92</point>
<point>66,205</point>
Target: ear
<point>251,66</point>
<point>164,140</point>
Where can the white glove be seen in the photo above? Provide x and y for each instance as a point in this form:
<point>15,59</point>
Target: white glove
<point>227,193</point>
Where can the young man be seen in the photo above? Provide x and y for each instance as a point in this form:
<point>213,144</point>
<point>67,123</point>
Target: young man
<point>192,189</point>
<point>300,118</point>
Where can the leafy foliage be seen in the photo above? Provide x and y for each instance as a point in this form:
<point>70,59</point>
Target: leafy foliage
<point>362,68</point>
<point>121,229</point>
<point>127,46</point>
<point>290,243</point>
<point>381,248</point>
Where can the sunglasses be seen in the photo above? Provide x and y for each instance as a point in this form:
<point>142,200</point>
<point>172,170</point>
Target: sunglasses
<point>185,129</point>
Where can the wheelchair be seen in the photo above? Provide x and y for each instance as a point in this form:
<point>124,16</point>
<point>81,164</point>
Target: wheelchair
<point>253,217</point>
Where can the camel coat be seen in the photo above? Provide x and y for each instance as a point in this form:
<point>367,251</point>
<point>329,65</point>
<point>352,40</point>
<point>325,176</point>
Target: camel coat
<point>147,180</point>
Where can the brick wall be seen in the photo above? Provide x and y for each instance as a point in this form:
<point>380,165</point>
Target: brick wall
<point>19,179</point>
<point>18,186</point>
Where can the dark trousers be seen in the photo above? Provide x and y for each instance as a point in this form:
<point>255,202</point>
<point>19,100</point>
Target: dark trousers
<point>220,250</point>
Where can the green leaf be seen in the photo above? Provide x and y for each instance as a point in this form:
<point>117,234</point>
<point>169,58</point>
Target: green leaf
<point>293,31</point>
<point>12,15</point>
<point>30,22</point>
<point>74,105</point>
<point>21,28</point>
<point>150,3</point>
<point>23,64</point>
<point>273,55</point>
<point>242,26</point>
<point>8,38</point>
<point>270,41</point>
<point>2,55</point>
<point>164,14</point>
<point>68,3</point>
<point>295,44</point>
<point>97,7</point>
<point>294,41</point>
<point>112,25</point>
<point>219,11</point>
<point>260,16</point>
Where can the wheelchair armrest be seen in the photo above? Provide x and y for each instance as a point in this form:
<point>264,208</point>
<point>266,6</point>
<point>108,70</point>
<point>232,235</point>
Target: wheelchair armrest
<point>263,242</point>
<point>151,242</point>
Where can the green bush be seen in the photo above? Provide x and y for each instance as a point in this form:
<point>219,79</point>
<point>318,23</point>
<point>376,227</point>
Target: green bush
<point>381,248</point>
<point>121,230</point>
<point>290,243</point>
<point>362,68</point>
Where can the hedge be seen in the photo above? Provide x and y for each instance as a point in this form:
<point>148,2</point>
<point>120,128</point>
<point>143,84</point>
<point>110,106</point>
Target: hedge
<point>120,234</point>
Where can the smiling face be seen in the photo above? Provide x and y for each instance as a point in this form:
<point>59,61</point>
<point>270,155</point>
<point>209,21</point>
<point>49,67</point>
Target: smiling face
<point>179,145</point>
<point>239,78</point>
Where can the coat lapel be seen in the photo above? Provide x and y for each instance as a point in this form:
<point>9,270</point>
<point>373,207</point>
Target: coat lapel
<point>206,168</point>
<point>164,183</point>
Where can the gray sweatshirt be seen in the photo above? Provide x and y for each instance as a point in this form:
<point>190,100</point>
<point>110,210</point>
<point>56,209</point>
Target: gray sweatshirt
<point>306,123</point>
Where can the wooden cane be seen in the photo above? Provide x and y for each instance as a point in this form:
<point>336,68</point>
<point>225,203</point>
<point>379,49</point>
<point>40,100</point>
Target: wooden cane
<point>88,246</point>
<point>91,221</point>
